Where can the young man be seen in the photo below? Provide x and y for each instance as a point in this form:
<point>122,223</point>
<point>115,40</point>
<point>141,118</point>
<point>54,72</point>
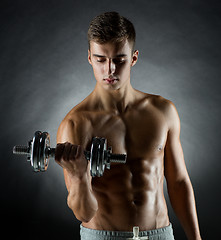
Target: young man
<point>146,127</point>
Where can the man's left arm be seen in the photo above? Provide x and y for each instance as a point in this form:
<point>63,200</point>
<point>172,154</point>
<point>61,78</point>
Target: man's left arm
<point>179,186</point>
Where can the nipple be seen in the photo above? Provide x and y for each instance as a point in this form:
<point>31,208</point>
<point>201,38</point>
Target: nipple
<point>160,147</point>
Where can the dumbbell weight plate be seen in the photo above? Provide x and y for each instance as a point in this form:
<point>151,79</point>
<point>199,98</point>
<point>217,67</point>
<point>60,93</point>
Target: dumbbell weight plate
<point>94,156</point>
<point>100,159</point>
<point>35,151</point>
<point>43,159</point>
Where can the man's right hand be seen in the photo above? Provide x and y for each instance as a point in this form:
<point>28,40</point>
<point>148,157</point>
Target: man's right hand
<point>71,157</point>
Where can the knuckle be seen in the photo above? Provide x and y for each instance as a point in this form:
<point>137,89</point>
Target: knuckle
<point>80,151</point>
<point>59,151</point>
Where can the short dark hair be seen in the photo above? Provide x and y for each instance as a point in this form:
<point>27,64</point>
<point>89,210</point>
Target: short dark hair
<point>111,27</point>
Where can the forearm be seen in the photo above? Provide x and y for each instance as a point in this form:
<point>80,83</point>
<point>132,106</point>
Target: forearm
<point>183,202</point>
<point>81,199</point>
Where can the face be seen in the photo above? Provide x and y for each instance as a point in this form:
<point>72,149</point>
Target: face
<point>111,63</point>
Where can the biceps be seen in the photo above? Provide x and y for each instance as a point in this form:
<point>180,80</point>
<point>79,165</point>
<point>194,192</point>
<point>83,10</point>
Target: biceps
<point>175,167</point>
<point>66,132</point>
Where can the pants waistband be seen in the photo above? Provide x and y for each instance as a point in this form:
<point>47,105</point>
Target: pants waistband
<point>104,233</point>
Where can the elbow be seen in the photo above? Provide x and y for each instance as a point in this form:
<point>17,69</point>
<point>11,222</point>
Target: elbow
<point>83,215</point>
<point>182,185</point>
<point>82,218</point>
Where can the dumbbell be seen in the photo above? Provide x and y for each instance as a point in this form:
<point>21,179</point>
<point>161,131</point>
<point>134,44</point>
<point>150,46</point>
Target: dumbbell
<point>38,152</point>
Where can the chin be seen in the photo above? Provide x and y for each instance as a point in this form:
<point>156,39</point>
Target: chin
<point>111,87</point>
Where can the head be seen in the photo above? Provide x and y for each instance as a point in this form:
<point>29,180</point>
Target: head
<point>111,53</point>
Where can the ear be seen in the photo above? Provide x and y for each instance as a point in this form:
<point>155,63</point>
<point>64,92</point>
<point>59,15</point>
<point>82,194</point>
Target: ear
<point>134,58</point>
<point>89,56</point>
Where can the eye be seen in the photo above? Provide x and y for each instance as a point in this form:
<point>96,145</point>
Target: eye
<point>101,60</point>
<point>119,60</point>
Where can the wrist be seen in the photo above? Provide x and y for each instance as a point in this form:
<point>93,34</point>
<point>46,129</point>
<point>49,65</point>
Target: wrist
<point>195,238</point>
<point>79,183</point>
<point>199,238</point>
<point>77,177</point>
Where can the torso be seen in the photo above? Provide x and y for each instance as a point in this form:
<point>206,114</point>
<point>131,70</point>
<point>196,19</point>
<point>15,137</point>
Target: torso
<point>128,194</point>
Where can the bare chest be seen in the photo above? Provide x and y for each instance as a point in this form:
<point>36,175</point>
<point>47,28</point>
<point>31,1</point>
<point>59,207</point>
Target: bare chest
<point>138,134</point>
<point>142,136</point>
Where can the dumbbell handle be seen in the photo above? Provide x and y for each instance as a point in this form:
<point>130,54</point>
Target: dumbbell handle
<point>118,158</point>
<point>20,150</point>
<point>24,150</point>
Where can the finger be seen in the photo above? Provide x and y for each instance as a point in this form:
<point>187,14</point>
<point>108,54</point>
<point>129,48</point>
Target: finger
<point>59,152</point>
<point>67,150</point>
<point>80,151</point>
<point>73,153</point>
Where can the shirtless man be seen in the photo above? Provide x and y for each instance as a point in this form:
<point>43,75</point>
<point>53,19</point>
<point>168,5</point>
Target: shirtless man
<point>146,127</point>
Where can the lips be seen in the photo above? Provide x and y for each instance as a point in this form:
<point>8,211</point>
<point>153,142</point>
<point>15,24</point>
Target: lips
<point>110,80</point>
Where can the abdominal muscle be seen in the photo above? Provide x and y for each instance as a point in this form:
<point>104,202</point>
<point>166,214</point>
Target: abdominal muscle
<point>128,198</point>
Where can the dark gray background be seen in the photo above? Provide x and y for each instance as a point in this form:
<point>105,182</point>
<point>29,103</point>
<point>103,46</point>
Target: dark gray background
<point>44,73</point>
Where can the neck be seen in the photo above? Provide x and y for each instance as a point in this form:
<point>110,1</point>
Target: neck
<point>114,100</point>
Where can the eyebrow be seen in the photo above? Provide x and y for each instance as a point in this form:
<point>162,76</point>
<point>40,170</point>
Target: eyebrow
<point>117,56</point>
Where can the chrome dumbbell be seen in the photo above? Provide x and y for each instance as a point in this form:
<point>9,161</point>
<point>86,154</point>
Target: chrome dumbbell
<point>38,152</point>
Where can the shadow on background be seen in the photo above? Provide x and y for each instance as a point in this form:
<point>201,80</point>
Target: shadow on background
<point>44,73</point>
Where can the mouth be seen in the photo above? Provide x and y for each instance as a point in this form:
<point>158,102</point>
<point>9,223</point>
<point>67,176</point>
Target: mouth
<point>110,80</point>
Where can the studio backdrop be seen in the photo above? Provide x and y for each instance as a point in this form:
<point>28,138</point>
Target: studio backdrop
<point>44,73</point>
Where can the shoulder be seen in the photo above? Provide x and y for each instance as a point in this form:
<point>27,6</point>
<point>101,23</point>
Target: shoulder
<point>160,102</point>
<point>167,109</point>
<point>74,126</point>
<point>65,130</point>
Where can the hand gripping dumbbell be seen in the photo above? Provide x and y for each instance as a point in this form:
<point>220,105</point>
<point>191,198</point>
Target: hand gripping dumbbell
<point>38,152</point>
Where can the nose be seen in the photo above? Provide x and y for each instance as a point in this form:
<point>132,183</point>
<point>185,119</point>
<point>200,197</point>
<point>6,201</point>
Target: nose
<point>111,66</point>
